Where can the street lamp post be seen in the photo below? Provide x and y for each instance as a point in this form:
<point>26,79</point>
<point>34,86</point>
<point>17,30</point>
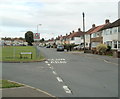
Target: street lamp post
<point>84,29</point>
<point>37,50</point>
<point>37,26</point>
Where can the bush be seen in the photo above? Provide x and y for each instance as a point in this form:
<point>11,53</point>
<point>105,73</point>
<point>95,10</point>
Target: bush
<point>69,46</point>
<point>108,48</point>
<point>101,48</point>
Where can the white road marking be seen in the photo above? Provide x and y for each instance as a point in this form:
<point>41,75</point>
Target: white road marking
<point>46,61</point>
<point>56,62</point>
<point>110,62</point>
<point>61,62</point>
<point>48,64</point>
<point>64,62</point>
<point>67,90</point>
<point>54,73</point>
<point>52,68</point>
<point>107,61</point>
<point>52,62</point>
<point>59,79</point>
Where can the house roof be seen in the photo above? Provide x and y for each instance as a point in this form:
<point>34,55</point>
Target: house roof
<point>76,34</point>
<point>96,29</point>
<point>114,24</point>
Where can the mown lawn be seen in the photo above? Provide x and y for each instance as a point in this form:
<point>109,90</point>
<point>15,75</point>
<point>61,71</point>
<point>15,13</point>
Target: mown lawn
<point>8,84</point>
<point>12,53</point>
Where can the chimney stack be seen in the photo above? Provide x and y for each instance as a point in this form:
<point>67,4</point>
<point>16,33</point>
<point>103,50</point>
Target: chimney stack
<point>93,25</point>
<point>107,21</point>
<point>70,33</point>
<point>79,29</point>
<point>66,34</point>
<point>73,31</point>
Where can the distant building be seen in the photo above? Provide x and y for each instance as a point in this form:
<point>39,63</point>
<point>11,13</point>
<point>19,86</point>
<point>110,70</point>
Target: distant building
<point>76,37</point>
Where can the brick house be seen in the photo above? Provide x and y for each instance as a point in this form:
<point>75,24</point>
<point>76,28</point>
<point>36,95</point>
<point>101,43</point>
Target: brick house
<point>111,35</point>
<point>95,35</point>
<point>76,37</point>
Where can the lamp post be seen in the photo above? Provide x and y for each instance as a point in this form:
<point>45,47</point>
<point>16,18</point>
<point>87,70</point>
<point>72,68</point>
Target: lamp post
<point>84,29</point>
<point>37,50</point>
<point>37,26</point>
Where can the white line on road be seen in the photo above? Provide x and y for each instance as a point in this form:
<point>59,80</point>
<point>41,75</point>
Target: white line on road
<point>46,61</point>
<point>51,68</point>
<point>64,62</point>
<point>110,62</point>
<point>52,62</point>
<point>106,61</point>
<point>48,64</point>
<point>56,62</point>
<point>59,79</point>
<point>54,73</point>
<point>67,90</point>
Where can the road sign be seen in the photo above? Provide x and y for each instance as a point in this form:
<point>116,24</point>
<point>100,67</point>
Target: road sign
<point>36,36</point>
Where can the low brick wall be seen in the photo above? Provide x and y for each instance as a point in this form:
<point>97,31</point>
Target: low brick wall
<point>88,51</point>
<point>116,53</point>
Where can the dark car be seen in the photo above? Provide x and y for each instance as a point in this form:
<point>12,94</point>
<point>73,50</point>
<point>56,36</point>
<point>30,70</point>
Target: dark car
<point>60,48</point>
<point>48,46</point>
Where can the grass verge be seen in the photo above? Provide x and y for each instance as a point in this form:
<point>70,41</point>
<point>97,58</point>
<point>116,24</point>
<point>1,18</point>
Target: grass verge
<point>8,84</point>
<point>12,54</point>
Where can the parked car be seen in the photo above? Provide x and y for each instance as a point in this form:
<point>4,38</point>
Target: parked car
<point>48,46</point>
<point>78,47</point>
<point>60,48</point>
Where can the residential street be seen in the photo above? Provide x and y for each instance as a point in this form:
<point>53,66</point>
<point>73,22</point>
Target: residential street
<point>64,74</point>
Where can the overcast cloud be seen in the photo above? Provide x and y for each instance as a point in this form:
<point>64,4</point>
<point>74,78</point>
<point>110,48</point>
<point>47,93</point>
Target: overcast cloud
<point>57,17</point>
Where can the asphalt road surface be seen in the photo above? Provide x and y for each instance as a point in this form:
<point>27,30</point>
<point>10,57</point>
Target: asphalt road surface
<point>66,75</point>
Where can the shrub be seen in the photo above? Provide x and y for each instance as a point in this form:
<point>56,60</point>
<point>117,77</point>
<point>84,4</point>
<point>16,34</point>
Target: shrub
<point>101,48</point>
<point>108,48</point>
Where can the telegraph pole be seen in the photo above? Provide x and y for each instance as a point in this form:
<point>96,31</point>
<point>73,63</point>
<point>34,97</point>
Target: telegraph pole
<point>84,29</point>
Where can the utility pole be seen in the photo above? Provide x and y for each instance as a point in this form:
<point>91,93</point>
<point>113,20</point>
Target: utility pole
<point>84,29</point>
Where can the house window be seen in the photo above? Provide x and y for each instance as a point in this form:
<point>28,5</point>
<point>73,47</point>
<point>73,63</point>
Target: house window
<point>86,44</point>
<point>109,43</point>
<point>110,31</point>
<point>119,29</point>
<point>82,37</point>
<point>72,38</point>
<point>115,44</point>
<point>94,35</point>
<point>118,44</point>
<point>115,29</point>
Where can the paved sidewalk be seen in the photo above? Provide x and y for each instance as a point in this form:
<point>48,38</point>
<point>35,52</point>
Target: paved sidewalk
<point>24,92</point>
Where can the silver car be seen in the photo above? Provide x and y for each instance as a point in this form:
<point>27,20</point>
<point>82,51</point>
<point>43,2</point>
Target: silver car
<point>60,48</point>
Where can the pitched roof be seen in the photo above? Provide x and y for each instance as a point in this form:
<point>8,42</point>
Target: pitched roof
<point>90,31</point>
<point>96,29</point>
<point>76,34</point>
<point>114,24</point>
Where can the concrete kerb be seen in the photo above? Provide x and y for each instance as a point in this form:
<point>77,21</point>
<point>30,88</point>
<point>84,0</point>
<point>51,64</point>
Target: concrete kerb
<point>23,61</point>
<point>32,88</point>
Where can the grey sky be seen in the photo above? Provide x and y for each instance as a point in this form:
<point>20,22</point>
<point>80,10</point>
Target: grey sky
<point>57,17</point>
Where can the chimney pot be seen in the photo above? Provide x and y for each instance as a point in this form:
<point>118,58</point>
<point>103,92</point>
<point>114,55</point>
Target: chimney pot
<point>107,21</point>
<point>73,31</point>
<point>79,29</point>
<point>93,25</point>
